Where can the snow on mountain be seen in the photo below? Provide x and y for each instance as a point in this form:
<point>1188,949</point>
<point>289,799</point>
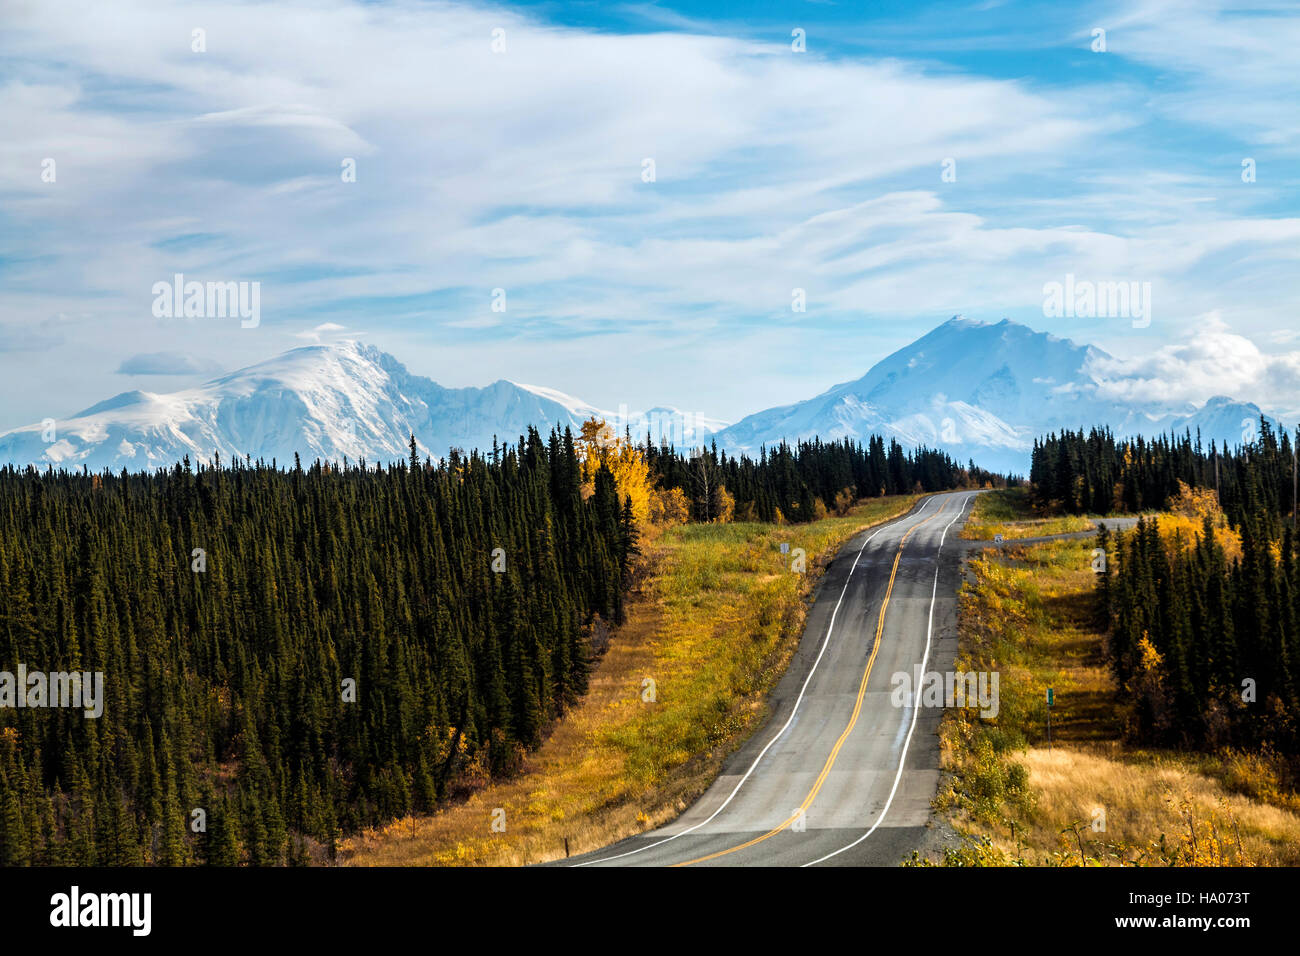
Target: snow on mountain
<point>983,391</point>
<point>978,390</point>
<point>324,401</point>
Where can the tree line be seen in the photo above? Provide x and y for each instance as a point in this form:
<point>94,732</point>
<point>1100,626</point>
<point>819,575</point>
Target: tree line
<point>806,481</point>
<point>1205,644</point>
<point>1201,605</point>
<point>1093,472</point>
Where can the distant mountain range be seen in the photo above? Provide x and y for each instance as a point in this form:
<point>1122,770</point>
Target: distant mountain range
<point>980,391</point>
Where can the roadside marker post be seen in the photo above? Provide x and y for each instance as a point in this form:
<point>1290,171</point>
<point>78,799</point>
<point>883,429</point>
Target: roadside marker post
<point>785,555</point>
<point>1050,698</point>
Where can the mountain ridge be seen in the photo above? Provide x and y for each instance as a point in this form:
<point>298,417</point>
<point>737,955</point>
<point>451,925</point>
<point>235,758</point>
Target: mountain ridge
<point>979,390</point>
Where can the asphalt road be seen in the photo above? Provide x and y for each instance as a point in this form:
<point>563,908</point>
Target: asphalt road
<point>843,771</point>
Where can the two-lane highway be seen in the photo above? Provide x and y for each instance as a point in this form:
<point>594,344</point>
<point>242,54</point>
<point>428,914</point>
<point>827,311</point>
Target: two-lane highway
<point>840,773</point>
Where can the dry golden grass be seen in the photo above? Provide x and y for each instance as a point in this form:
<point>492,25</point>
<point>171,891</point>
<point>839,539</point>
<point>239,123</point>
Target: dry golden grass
<point>1007,512</point>
<point>1149,801</point>
<point>714,626</point>
<point>1029,616</point>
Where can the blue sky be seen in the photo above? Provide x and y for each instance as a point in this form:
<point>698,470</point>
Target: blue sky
<point>522,169</point>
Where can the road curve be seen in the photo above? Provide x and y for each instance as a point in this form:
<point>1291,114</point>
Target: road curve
<point>840,774</point>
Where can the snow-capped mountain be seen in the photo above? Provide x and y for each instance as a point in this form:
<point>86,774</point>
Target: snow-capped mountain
<point>326,401</point>
<point>978,390</point>
<point>981,391</point>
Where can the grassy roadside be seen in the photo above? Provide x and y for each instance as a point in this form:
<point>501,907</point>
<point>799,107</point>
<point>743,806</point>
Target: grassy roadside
<point>1091,799</point>
<point>1008,512</point>
<point>714,626</point>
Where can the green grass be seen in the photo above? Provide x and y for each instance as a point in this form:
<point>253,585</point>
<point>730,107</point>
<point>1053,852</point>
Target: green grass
<point>1008,512</point>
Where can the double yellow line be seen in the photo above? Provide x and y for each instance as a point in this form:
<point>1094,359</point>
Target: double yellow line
<point>857,709</point>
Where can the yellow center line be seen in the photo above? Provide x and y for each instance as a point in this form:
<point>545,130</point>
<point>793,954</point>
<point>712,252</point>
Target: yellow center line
<point>857,709</point>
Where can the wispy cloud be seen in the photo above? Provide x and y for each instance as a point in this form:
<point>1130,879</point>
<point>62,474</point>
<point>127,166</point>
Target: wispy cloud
<point>168,363</point>
<point>323,331</point>
<point>1227,65</point>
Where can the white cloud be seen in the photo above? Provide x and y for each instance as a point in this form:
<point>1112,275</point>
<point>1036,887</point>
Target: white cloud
<point>246,140</point>
<point>323,331</point>
<point>1213,361</point>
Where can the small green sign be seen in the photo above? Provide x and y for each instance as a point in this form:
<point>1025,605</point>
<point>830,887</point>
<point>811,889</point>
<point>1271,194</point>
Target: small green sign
<point>1049,697</point>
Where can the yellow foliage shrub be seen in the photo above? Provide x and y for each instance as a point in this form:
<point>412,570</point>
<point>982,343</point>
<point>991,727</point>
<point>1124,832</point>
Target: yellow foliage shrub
<point>668,507</point>
<point>1197,503</point>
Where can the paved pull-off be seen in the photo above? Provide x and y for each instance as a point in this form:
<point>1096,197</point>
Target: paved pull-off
<point>840,774</point>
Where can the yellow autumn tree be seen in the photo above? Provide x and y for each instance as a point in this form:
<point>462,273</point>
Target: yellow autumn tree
<point>726,505</point>
<point>1185,522</point>
<point>600,445</point>
<point>1196,503</point>
<point>1149,690</point>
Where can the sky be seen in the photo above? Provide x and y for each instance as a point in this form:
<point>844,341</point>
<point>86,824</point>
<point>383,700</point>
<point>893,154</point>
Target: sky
<point>640,189</point>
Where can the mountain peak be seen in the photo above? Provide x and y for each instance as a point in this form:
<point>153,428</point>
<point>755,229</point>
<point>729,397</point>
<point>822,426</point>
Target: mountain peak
<point>325,401</point>
<point>979,390</point>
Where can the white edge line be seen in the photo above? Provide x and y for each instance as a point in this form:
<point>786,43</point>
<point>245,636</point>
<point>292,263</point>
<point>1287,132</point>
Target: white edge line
<point>916,710</point>
<point>798,700</point>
